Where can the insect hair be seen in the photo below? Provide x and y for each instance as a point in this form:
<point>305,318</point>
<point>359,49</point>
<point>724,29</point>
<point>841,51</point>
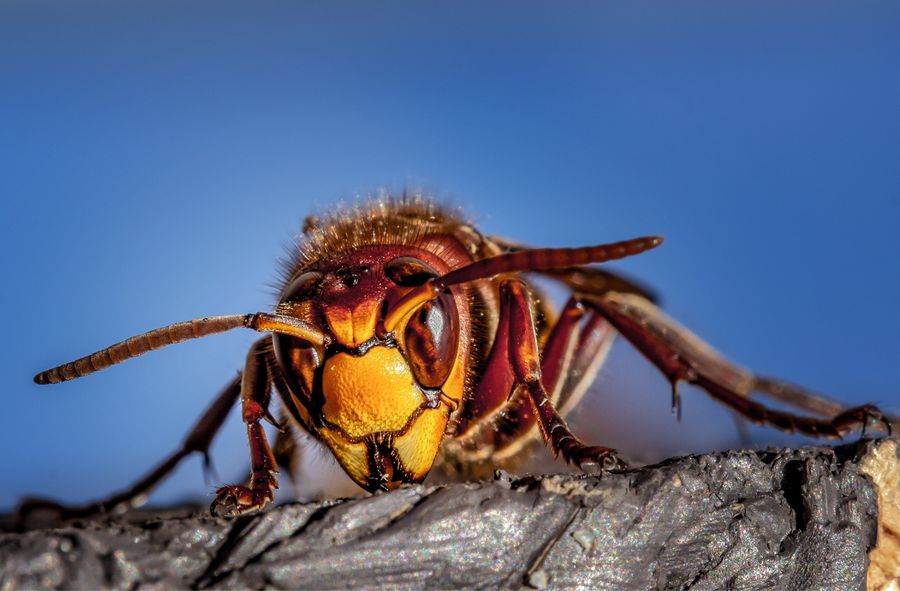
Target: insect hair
<point>406,219</point>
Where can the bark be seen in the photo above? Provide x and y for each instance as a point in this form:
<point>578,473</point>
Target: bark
<point>777,519</point>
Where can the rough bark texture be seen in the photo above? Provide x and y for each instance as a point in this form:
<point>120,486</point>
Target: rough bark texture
<point>779,519</point>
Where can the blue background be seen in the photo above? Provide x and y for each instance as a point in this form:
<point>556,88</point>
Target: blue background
<point>157,157</point>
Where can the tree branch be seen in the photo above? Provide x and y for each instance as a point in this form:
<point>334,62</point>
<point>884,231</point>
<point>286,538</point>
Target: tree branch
<point>788,519</point>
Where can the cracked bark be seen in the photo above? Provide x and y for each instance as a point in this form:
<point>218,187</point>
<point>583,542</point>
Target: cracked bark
<point>777,519</point>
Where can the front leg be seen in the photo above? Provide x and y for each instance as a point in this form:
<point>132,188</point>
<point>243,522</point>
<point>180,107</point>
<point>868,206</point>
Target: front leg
<point>256,383</point>
<point>526,365</point>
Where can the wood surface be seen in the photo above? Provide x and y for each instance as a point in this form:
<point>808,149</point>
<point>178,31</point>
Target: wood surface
<point>778,519</point>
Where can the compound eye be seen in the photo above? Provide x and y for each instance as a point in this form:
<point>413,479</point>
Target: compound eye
<point>409,271</point>
<point>431,339</point>
<point>303,287</point>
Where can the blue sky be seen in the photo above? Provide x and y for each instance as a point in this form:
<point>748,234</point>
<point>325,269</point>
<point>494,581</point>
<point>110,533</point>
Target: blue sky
<point>158,156</point>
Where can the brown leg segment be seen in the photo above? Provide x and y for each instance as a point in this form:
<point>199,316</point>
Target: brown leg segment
<point>682,356</point>
<point>525,361</point>
<point>591,349</point>
<point>796,396</point>
<point>256,384</point>
<point>199,439</point>
<point>495,387</point>
<point>557,353</point>
<point>499,416</point>
<point>286,450</point>
<point>573,354</point>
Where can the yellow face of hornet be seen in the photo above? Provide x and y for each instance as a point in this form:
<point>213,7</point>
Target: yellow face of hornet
<point>379,400</point>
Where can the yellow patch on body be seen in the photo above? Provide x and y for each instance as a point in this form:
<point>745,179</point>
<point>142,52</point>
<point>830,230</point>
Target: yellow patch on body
<point>418,446</point>
<point>351,456</point>
<point>375,393</point>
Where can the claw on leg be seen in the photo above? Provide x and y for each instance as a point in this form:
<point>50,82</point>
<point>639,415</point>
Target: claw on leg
<point>861,416</point>
<point>597,459</point>
<point>235,499</point>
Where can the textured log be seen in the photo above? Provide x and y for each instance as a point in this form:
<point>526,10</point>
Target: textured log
<point>778,519</point>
